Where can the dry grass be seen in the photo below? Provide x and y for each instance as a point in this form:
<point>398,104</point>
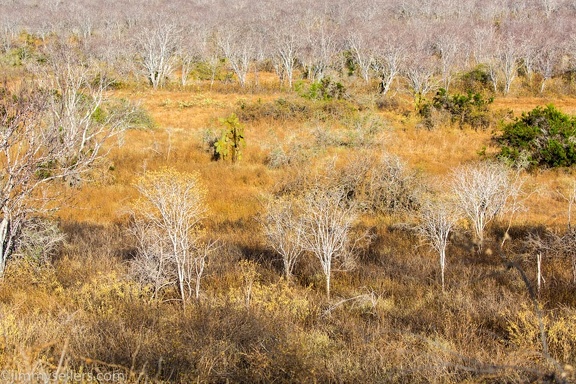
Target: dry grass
<point>388,320</point>
<point>525,104</point>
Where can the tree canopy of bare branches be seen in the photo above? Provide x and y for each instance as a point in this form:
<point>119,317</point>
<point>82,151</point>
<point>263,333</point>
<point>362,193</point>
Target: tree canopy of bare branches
<point>283,224</point>
<point>437,219</point>
<point>429,43</point>
<point>484,191</point>
<point>168,230</point>
<point>328,221</point>
<point>50,129</point>
<point>158,47</point>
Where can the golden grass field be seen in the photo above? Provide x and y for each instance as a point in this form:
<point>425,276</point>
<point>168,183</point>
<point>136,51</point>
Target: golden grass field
<point>182,118</point>
<point>387,321</point>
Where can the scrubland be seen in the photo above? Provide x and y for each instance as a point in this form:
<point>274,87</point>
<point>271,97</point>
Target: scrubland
<point>267,192</point>
<point>387,319</point>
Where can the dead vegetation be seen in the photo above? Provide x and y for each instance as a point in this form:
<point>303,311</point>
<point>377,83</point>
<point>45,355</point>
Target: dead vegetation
<point>272,307</point>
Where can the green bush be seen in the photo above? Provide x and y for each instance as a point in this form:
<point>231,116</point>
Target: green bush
<point>324,89</point>
<point>478,79</point>
<point>543,137</point>
<point>470,109</point>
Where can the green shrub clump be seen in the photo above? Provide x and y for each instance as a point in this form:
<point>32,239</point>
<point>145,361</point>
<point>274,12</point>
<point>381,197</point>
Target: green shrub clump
<point>543,137</point>
<point>324,89</point>
<point>470,109</point>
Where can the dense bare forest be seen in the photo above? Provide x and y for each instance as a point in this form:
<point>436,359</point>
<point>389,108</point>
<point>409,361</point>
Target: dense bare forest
<point>263,191</point>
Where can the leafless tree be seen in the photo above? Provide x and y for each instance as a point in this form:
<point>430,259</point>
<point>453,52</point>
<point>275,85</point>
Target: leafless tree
<point>157,46</point>
<point>8,33</point>
<point>317,34</point>
<point>360,44</point>
<point>261,52</point>
<point>283,225</point>
<point>547,62</point>
<point>328,220</point>
<point>420,71</point>
<point>171,209</point>
<point>238,46</point>
<point>49,131</point>
<point>548,51</point>
<point>390,57</point>
<point>483,191</point>
<point>382,184</point>
<point>509,54</point>
<point>321,46</point>
<point>188,53</point>
<point>549,7</point>
<point>152,265</point>
<point>286,44</point>
<point>208,51</point>
<point>437,219</point>
<point>448,47</point>
<point>483,46</point>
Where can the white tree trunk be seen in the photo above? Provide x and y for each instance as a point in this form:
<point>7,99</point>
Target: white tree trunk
<point>3,242</point>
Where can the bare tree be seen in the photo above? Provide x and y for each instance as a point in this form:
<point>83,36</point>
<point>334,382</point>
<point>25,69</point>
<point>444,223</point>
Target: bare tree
<point>381,184</point>
<point>283,225</point>
<point>157,47</point>
<point>420,68</point>
<point>188,53</point>
<point>238,46</point>
<point>8,33</point>
<point>55,130</point>
<point>483,191</point>
<point>390,57</point>
<point>420,75</point>
<point>509,55</point>
<point>483,46</point>
<point>80,107</point>
<point>152,264</point>
<point>448,47</point>
<point>286,45</point>
<point>328,220</point>
<point>437,219</point>
<point>549,7</point>
<point>170,211</point>
<point>321,46</point>
<point>209,52</point>
<point>360,43</point>
<point>549,50</point>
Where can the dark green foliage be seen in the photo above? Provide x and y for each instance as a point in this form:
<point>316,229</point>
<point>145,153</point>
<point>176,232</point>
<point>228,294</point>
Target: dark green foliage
<point>543,137</point>
<point>470,109</point>
<point>349,63</point>
<point>99,115</point>
<point>46,169</point>
<point>136,117</point>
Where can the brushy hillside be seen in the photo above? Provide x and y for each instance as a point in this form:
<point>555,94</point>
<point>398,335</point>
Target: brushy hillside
<point>387,320</point>
<point>287,220</point>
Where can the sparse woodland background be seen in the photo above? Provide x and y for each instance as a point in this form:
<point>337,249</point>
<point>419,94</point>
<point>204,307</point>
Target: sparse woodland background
<point>263,191</point>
